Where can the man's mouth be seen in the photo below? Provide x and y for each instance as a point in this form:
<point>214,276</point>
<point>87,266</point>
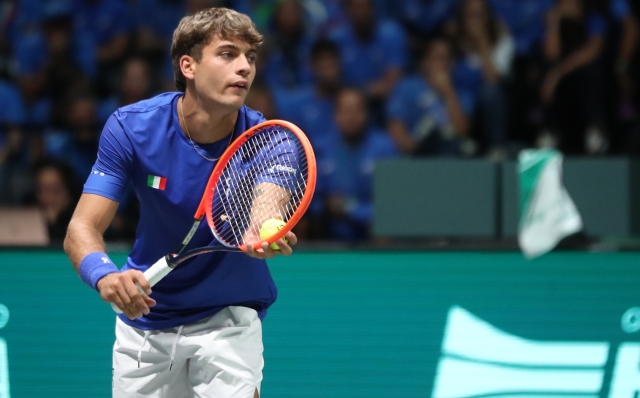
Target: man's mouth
<point>240,85</point>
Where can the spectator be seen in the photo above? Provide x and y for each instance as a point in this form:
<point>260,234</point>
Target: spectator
<point>261,100</point>
<point>427,113</point>
<point>19,19</point>
<point>615,63</point>
<point>525,20</point>
<point>626,46</point>
<point>135,85</point>
<point>48,65</point>
<point>487,51</point>
<point>374,54</point>
<point>152,23</point>
<point>633,69</point>
<point>425,18</point>
<point>570,90</point>
<point>312,107</point>
<point>61,70</point>
<point>77,141</point>
<point>100,26</point>
<point>287,66</point>
<point>347,169</point>
<point>15,156</point>
<point>55,196</point>
<point>30,58</point>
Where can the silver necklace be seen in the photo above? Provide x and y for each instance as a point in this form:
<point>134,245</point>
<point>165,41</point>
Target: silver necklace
<point>193,144</point>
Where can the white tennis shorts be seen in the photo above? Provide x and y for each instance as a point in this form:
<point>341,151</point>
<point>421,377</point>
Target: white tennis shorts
<point>220,356</point>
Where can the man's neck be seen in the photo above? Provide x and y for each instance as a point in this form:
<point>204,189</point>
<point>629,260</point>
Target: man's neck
<point>326,90</point>
<point>204,123</point>
<point>364,33</point>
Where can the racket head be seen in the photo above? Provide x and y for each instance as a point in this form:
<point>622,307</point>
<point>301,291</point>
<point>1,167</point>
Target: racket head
<point>269,171</point>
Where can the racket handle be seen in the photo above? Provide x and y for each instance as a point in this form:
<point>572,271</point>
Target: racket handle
<point>153,274</point>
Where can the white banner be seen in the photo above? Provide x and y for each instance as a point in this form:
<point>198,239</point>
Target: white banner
<point>547,213</point>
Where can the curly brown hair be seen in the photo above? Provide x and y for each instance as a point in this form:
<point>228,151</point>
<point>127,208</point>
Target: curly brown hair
<point>197,30</point>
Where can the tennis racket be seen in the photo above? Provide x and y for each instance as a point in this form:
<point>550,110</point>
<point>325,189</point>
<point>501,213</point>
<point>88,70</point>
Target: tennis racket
<point>267,172</point>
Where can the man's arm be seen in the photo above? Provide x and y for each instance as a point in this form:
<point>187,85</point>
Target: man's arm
<point>579,58</point>
<point>380,88</point>
<point>91,218</point>
<point>552,46</point>
<point>401,137</point>
<point>629,38</point>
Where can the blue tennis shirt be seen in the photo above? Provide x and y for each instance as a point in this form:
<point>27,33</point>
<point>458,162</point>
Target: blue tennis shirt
<point>144,144</point>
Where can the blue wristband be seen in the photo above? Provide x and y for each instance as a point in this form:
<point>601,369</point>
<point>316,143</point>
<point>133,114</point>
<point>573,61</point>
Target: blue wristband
<point>95,266</point>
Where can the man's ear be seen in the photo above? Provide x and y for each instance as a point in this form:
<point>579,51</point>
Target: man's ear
<point>188,67</point>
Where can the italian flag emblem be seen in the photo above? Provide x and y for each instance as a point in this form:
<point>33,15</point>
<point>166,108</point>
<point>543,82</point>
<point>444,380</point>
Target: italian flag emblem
<point>156,182</point>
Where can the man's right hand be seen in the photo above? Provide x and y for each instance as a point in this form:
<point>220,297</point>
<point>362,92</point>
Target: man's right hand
<point>120,288</point>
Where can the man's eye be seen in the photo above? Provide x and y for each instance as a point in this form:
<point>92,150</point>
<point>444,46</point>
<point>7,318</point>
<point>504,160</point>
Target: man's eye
<point>226,55</point>
<point>251,58</point>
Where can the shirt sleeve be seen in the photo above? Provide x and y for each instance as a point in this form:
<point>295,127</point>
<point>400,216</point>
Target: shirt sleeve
<point>12,111</point>
<point>30,54</point>
<point>281,164</point>
<point>398,103</point>
<point>396,44</point>
<point>112,171</point>
<point>118,22</point>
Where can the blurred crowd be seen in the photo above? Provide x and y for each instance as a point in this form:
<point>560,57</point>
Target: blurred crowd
<point>365,79</point>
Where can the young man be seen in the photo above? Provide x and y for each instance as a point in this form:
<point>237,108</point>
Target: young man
<point>199,332</point>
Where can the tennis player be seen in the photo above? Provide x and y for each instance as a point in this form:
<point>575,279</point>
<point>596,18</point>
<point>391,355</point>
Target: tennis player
<point>198,334</point>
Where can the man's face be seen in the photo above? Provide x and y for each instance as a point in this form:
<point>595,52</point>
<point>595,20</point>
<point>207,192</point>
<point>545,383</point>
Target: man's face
<point>289,17</point>
<point>361,12</point>
<point>570,8</point>
<point>81,114</point>
<point>350,113</point>
<point>135,80</point>
<point>437,59</point>
<point>50,189</point>
<point>225,72</point>
<point>326,67</point>
<point>475,12</point>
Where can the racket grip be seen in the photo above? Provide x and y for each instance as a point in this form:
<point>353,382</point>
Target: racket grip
<point>153,274</point>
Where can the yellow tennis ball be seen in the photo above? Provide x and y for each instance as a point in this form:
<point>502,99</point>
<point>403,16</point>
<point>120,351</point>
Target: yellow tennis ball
<point>270,228</point>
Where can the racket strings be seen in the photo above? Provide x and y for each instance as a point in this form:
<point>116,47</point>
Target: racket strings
<point>265,178</point>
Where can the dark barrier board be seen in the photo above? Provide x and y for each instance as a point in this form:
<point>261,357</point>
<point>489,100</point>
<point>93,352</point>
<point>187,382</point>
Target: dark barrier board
<point>359,324</point>
<point>434,198</point>
<point>479,199</point>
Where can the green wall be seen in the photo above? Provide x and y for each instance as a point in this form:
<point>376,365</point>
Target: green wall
<point>360,324</point>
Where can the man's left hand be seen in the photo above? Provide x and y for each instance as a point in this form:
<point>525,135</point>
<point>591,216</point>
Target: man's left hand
<point>267,252</point>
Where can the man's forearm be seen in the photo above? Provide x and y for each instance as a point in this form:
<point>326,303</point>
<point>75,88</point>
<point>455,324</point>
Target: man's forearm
<point>81,240</point>
<point>552,46</point>
<point>582,57</point>
<point>629,39</point>
<point>457,116</point>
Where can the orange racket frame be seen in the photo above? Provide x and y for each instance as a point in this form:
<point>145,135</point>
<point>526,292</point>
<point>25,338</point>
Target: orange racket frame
<point>206,205</point>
